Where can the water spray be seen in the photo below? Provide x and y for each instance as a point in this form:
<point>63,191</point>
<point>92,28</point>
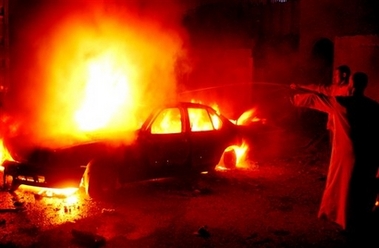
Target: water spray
<point>233,85</point>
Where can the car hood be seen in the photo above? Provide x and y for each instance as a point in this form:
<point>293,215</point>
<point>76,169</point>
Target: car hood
<point>78,154</point>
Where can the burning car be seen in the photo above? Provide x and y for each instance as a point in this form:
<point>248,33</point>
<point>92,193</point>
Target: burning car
<point>180,139</point>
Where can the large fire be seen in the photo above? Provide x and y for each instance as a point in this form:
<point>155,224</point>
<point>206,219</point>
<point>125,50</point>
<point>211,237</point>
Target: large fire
<point>93,73</point>
<point>97,74</point>
<point>106,84</point>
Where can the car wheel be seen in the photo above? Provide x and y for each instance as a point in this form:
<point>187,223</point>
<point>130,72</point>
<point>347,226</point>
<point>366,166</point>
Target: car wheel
<point>230,159</point>
<point>8,183</point>
<point>100,179</point>
<point>93,179</point>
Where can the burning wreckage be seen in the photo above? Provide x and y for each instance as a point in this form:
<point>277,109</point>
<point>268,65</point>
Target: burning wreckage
<point>183,139</point>
<point>116,70</point>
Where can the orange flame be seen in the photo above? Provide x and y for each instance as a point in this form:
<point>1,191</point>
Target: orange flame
<point>241,153</point>
<point>4,155</point>
<point>101,74</point>
<point>97,73</point>
<point>106,92</point>
<point>247,117</point>
<point>213,105</point>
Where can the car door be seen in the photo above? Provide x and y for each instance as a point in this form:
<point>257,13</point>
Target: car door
<point>207,140</point>
<point>166,146</point>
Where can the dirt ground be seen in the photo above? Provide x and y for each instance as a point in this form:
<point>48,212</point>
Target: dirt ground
<point>272,202</point>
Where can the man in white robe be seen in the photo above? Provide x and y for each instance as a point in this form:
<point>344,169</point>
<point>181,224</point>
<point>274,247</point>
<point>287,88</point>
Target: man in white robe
<point>349,195</point>
<point>341,86</point>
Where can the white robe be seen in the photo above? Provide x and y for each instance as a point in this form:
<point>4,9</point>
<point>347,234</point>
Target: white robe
<point>338,199</point>
<point>329,90</point>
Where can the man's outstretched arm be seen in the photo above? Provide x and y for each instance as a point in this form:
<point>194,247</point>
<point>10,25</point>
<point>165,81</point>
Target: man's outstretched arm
<point>314,101</point>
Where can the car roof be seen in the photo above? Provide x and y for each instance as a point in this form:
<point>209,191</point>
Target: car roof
<point>187,105</point>
<point>178,104</point>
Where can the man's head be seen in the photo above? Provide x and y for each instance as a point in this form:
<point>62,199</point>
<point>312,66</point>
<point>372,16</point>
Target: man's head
<point>360,81</point>
<point>342,75</point>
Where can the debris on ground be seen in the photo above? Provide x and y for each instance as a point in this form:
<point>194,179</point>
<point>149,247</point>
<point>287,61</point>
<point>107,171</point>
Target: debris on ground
<point>3,210</point>
<point>87,239</point>
<point>38,197</point>
<point>18,204</point>
<point>108,211</point>
<point>203,232</point>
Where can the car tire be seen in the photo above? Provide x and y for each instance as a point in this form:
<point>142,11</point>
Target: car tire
<point>230,159</point>
<point>94,182</point>
<point>8,183</point>
<point>99,180</point>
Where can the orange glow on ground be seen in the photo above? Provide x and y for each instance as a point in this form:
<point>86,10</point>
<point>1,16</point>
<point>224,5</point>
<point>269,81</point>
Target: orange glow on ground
<point>69,194</point>
<point>49,192</point>
<point>66,203</point>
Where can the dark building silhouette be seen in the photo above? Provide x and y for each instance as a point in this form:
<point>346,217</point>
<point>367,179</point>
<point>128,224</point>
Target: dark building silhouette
<point>291,40</point>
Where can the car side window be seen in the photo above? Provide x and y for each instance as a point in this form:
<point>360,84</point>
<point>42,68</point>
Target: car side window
<point>216,120</point>
<point>201,120</point>
<point>168,121</point>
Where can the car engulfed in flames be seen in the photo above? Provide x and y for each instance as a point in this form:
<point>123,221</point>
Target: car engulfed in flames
<point>102,81</point>
<point>182,139</point>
